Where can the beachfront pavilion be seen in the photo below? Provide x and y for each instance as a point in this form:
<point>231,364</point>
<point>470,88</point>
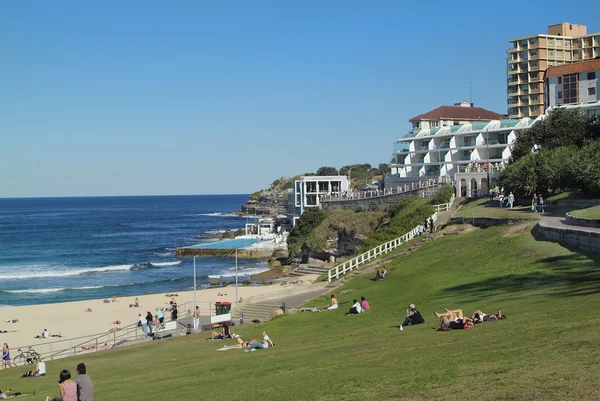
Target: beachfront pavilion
<point>309,189</point>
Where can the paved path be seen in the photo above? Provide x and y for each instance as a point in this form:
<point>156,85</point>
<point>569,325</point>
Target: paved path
<point>561,223</point>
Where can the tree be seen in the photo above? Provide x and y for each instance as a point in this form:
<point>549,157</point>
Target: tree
<point>309,220</point>
<point>561,128</point>
<point>383,168</point>
<point>327,171</point>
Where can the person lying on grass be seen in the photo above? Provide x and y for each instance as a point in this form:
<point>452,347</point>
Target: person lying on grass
<point>453,320</point>
<point>254,345</point>
<point>480,317</point>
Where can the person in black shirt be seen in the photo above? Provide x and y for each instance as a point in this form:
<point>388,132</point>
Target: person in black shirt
<point>413,316</point>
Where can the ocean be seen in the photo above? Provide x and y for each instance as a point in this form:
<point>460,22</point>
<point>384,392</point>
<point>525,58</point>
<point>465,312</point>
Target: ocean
<point>69,249</point>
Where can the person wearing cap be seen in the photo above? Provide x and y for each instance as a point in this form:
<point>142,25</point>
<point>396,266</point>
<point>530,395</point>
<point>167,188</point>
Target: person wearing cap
<point>413,316</point>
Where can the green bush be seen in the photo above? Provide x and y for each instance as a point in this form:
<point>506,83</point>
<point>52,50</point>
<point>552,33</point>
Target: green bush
<point>309,220</point>
<point>442,194</point>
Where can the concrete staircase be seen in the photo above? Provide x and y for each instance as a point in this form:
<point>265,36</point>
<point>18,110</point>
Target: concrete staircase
<point>309,269</point>
<point>262,311</point>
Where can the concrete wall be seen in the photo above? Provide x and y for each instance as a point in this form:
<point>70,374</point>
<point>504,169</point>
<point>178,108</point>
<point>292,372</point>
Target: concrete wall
<point>580,221</point>
<point>587,241</point>
<point>222,252</point>
<point>380,203</point>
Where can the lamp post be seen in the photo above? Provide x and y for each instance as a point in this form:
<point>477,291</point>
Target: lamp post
<point>487,145</point>
<point>236,275</point>
<point>349,170</point>
<point>194,284</point>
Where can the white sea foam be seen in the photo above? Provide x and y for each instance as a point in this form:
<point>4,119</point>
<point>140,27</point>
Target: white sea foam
<point>46,290</point>
<point>164,254</point>
<point>42,273</point>
<point>242,272</point>
<point>166,263</point>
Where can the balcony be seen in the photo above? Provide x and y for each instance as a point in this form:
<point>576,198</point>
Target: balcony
<point>401,147</point>
<point>512,82</point>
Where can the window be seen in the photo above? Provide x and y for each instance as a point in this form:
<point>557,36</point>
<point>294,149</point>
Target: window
<point>533,41</point>
<point>550,41</point>
<point>550,63</point>
<point>558,42</point>
<point>534,98</point>
<point>560,94</point>
<point>534,75</point>
<point>569,88</point>
<point>591,75</point>
<point>591,91</point>
<point>559,54</point>
<point>551,53</point>
<point>435,124</point>
<point>560,80</point>
<point>534,87</point>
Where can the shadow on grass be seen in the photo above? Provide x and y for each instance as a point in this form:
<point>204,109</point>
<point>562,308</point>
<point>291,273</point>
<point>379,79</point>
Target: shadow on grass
<point>568,275</point>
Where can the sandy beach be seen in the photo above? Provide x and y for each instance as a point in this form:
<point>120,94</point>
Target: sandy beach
<point>71,320</point>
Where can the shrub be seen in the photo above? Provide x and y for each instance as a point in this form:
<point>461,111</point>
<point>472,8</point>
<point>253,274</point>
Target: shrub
<point>309,220</point>
<point>442,194</point>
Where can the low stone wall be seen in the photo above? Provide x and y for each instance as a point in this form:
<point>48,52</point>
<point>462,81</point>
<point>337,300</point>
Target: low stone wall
<point>225,252</point>
<point>581,221</point>
<point>578,203</point>
<point>485,222</point>
<point>376,204</point>
<point>587,241</point>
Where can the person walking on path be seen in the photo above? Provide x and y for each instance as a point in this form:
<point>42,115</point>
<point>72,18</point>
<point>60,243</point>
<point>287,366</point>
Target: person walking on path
<point>141,323</point>
<point>85,387</point>
<point>511,199</point>
<point>196,318</point>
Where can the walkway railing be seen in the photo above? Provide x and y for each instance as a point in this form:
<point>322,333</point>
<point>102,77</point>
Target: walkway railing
<point>66,347</point>
<point>378,193</point>
<point>443,207</point>
<point>349,265</point>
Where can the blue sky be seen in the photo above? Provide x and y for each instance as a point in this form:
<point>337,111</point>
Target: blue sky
<point>154,97</point>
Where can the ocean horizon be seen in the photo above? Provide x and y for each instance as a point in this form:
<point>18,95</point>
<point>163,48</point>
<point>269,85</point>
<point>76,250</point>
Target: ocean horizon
<point>60,249</point>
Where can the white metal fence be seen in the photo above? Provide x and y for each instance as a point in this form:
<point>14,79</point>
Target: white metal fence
<point>349,265</point>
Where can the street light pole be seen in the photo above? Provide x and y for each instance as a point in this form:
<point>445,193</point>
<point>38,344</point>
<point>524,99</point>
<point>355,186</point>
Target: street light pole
<point>194,284</point>
<point>236,275</point>
<point>487,145</point>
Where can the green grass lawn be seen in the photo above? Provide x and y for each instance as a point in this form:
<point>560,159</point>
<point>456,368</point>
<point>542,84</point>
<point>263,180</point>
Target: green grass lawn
<point>546,349</point>
<point>589,213</point>
<point>485,208</point>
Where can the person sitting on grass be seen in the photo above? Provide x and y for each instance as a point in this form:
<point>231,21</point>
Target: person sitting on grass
<point>334,304</point>
<point>413,316</point>
<point>383,273</point>
<point>364,304</point>
<point>355,309</point>
<point>377,275</point>
<point>67,387</point>
<point>225,334</point>
<point>253,345</point>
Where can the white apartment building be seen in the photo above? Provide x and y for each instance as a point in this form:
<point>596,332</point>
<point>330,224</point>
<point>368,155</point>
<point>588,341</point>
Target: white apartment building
<point>449,137</point>
<point>309,189</point>
<point>573,85</point>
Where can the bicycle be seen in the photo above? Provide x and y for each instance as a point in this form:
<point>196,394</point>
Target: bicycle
<point>29,358</point>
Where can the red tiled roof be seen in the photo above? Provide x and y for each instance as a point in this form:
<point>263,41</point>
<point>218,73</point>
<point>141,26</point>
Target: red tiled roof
<point>573,68</point>
<point>459,113</point>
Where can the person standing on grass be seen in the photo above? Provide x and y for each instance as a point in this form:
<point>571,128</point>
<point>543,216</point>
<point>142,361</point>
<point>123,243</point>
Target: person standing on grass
<point>511,199</point>
<point>85,387</point>
<point>6,357</point>
<point>541,204</point>
<point>196,318</point>
<point>534,203</point>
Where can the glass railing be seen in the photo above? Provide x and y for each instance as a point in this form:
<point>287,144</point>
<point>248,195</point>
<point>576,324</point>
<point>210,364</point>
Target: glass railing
<point>401,147</point>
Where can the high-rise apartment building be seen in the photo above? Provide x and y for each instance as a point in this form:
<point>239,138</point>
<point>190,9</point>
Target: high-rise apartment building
<point>528,58</point>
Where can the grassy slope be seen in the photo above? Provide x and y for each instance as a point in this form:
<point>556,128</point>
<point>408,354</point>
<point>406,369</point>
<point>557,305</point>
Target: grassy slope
<point>545,350</point>
<point>589,213</point>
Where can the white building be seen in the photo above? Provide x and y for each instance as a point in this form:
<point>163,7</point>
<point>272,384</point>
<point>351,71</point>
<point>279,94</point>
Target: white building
<point>574,86</point>
<point>309,189</point>
<point>448,139</point>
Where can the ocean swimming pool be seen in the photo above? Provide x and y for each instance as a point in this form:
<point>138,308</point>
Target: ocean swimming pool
<point>229,243</point>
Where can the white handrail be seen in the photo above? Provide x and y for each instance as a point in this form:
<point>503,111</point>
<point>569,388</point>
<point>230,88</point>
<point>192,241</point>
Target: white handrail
<point>336,271</point>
